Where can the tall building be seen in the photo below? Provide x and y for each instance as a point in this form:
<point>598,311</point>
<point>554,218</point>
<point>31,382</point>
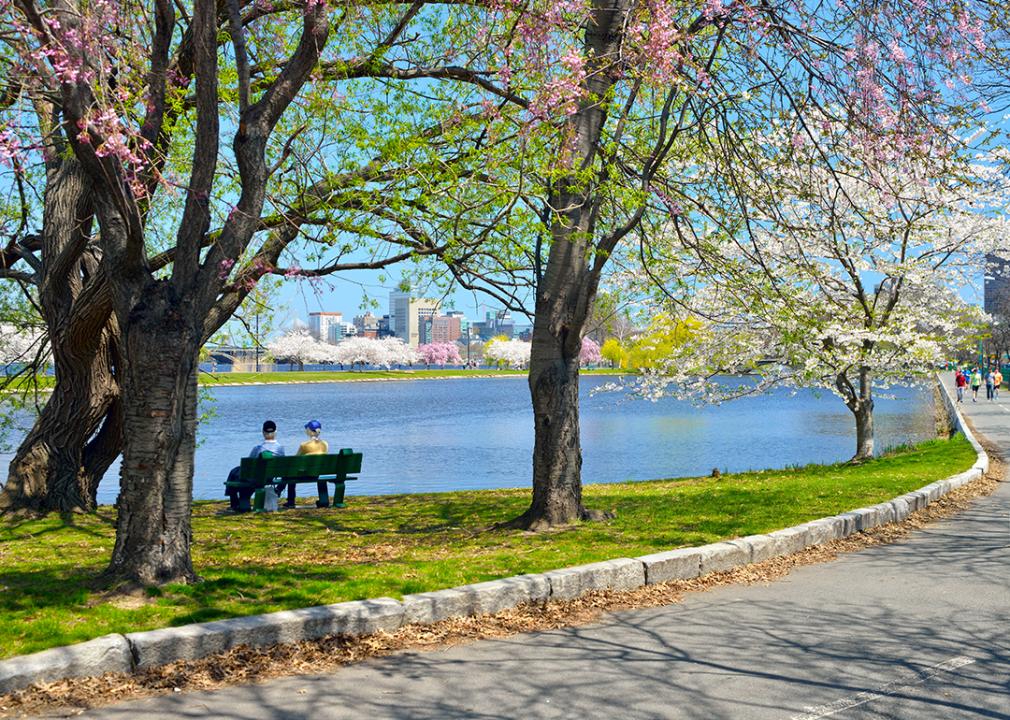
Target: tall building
<point>410,317</point>
<point>321,322</point>
<point>996,292</point>
<point>464,322</point>
<point>445,329</point>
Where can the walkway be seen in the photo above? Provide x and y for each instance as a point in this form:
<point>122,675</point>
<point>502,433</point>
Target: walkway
<point>918,630</point>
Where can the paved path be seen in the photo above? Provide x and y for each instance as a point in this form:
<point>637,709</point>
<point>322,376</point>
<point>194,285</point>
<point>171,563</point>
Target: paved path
<point>913,631</point>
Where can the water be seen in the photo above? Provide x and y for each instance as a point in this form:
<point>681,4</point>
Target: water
<point>452,434</point>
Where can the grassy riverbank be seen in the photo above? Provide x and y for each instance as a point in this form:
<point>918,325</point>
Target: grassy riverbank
<point>399,544</point>
<point>310,376</point>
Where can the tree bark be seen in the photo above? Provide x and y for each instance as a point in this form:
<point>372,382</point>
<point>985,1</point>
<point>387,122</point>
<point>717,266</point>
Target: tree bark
<point>49,471</point>
<point>153,535</point>
<point>860,403</point>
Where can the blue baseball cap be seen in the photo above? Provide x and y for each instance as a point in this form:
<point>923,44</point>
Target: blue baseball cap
<point>313,425</point>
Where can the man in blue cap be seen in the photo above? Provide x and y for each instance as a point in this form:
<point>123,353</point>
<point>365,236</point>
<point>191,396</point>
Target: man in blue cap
<point>313,446</point>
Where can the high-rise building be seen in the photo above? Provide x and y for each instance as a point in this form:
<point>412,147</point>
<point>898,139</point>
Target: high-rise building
<point>445,329</point>
<point>996,292</point>
<point>320,323</point>
<point>410,317</point>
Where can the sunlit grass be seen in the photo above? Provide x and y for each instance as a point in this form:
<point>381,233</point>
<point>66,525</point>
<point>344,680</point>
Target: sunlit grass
<point>398,544</point>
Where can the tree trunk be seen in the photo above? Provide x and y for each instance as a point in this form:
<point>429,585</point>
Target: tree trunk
<point>159,394</point>
<point>860,403</point>
<point>49,471</point>
<point>566,292</point>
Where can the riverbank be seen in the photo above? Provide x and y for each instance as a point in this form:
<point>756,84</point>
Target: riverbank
<point>399,544</point>
<point>300,377</point>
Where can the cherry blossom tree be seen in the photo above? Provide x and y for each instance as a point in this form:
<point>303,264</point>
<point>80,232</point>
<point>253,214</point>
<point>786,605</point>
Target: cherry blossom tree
<point>846,280</point>
<point>299,347</point>
<point>508,353</point>
<point>629,98</point>
<point>590,354</point>
<point>440,354</point>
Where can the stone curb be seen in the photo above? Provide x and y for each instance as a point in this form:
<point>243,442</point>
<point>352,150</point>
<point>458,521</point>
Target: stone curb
<point>138,651</point>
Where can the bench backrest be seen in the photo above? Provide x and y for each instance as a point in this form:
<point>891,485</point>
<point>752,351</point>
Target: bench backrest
<point>263,469</point>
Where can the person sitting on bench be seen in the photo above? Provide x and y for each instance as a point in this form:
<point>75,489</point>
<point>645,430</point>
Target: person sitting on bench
<point>238,497</point>
<point>313,446</point>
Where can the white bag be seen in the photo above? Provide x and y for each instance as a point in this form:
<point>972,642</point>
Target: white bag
<point>269,499</point>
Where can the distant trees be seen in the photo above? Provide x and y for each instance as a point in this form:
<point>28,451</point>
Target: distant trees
<point>440,354</point>
<point>590,354</point>
<point>507,353</point>
<point>362,351</point>
<point>298,347</point>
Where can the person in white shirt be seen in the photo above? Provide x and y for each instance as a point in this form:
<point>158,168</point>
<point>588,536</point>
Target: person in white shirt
<point>238,498</point>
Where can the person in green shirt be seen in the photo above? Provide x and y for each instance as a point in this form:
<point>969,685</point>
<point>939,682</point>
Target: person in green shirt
<point>976,383</point>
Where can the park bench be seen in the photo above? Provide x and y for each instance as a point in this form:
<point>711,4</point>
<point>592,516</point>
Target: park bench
<point>257,473</point>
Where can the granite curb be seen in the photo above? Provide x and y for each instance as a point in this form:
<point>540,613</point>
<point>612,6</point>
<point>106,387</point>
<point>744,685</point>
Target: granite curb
<point>139,651</point>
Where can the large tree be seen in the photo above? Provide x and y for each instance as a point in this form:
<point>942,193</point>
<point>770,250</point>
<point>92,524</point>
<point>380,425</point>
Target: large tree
<point>628,99</point>
<point>202,181</point>
<point>844,277</point>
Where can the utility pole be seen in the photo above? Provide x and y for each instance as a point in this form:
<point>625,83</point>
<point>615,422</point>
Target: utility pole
<point>257,339</point>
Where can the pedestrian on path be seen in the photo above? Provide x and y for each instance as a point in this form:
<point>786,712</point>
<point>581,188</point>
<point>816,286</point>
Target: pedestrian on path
<point>997,380</point>
<point>976,383</point>
<point>960,382</point>
<point>989,377</point>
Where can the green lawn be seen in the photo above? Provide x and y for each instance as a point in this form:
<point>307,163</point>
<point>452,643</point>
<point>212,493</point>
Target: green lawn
<point>211,379</point>
<point>399,544</point>
<point>46,382</point>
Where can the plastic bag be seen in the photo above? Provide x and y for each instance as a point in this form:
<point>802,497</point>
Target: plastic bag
<point>270,499</point>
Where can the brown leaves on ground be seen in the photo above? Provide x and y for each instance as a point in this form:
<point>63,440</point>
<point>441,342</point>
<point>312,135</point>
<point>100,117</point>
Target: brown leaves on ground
<point>245,664</point>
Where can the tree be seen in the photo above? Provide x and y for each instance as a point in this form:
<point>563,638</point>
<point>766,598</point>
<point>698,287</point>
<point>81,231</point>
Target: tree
<point>844,280</point>
<point>192,206</point>
<point>590,354</point>
<point>298,346</point>
<point>76,437</point>
<point>634,94</point>
<point>440,354</point>
<point>508,353</point>
<point>613,351</point>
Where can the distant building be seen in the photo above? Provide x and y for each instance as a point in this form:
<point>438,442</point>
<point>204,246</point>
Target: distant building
<point>338,331</point>
<point>367,325</point>
<point>996,292</point>
<point>320,323</point>
<point>494,324</point>
<point>445,329</point>
<point>410,317</point>
<point>464,323</point>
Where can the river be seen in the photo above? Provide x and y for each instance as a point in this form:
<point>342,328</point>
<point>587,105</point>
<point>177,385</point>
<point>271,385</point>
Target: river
<point>471,433</point>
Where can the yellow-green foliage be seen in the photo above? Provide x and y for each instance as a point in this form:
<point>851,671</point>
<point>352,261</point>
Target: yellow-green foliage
<point>664,335</point>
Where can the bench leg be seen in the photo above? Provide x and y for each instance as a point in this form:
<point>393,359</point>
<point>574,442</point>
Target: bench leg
<point>338,493</point>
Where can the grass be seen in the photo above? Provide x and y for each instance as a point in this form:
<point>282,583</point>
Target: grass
<point>46,382</point>
<point>398,544</point>
<point>242,378</point>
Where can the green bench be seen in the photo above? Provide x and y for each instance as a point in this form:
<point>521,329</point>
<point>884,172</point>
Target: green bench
<point>256,473</point>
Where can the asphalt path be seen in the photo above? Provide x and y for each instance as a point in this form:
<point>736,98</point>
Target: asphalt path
<point>915,630</point>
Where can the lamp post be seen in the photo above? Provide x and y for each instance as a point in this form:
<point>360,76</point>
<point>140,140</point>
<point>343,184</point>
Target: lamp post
<point>257,339</point>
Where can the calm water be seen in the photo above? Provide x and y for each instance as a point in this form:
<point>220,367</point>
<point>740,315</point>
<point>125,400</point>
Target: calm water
<point>430,435</point>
